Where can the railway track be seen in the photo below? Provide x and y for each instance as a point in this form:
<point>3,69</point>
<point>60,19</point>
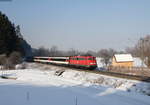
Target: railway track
<point>125,76</point>
<point>119,75</point>
<point>109,73</point>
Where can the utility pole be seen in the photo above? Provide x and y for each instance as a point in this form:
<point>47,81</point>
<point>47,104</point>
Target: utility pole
<point>76,101</point>
<point>142,53</point>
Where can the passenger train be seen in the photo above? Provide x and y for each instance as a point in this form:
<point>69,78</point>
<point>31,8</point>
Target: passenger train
<point>88,62</point>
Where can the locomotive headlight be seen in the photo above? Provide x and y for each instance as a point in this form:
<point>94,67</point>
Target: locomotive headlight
<point>92,63</point>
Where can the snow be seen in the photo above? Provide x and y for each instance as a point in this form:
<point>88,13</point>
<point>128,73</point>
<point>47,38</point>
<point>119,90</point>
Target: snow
<point>123,57</point>
<point>37,86</point>
<point>138,62</point>
<point>99,62</point>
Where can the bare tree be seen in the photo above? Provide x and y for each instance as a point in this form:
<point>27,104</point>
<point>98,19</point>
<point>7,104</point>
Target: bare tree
<point>90,52</point>
<point>142,49</point>
<point>54,51</point>
<point>132,51</point>
<point>72,52</point>
<point>3,59</point>
<point>106,55</point>
<point>41,51</point>
<point>13,59</point>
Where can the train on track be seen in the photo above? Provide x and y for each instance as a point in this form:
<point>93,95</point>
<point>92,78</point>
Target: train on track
<point>87,62</point>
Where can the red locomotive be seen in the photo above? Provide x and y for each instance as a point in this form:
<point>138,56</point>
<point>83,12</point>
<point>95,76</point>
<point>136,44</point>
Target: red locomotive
<point>88,62</point>
<point>83,61</point>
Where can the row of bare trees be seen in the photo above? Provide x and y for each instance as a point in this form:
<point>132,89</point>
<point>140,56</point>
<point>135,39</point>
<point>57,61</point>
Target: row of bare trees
<point>141,49</point>
<point>54,51</point>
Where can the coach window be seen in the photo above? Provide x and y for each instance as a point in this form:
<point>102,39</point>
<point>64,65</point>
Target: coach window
<point>90,58</point>
<point>75,58</point>
<point>81,58</point>
<point>44,58</point>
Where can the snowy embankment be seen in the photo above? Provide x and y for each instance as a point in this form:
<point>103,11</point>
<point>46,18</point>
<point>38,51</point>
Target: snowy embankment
<point>44,73</point>
<point>89,79</point>
<point>43,85</point>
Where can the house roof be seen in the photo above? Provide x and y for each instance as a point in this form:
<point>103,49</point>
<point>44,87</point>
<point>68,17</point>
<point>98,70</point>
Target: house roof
<point>123,57</point>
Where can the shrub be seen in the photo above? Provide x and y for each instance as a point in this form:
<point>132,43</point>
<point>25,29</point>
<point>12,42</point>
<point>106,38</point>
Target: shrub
<point>15,58</point>
<point>3,59</point>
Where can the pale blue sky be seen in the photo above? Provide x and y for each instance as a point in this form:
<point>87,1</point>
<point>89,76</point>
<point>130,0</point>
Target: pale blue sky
<point>80,24</point>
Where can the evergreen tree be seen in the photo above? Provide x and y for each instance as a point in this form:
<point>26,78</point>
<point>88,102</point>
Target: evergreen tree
<point>10,37</point>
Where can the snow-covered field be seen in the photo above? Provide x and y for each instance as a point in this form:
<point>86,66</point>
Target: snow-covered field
<point>35,86</point>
